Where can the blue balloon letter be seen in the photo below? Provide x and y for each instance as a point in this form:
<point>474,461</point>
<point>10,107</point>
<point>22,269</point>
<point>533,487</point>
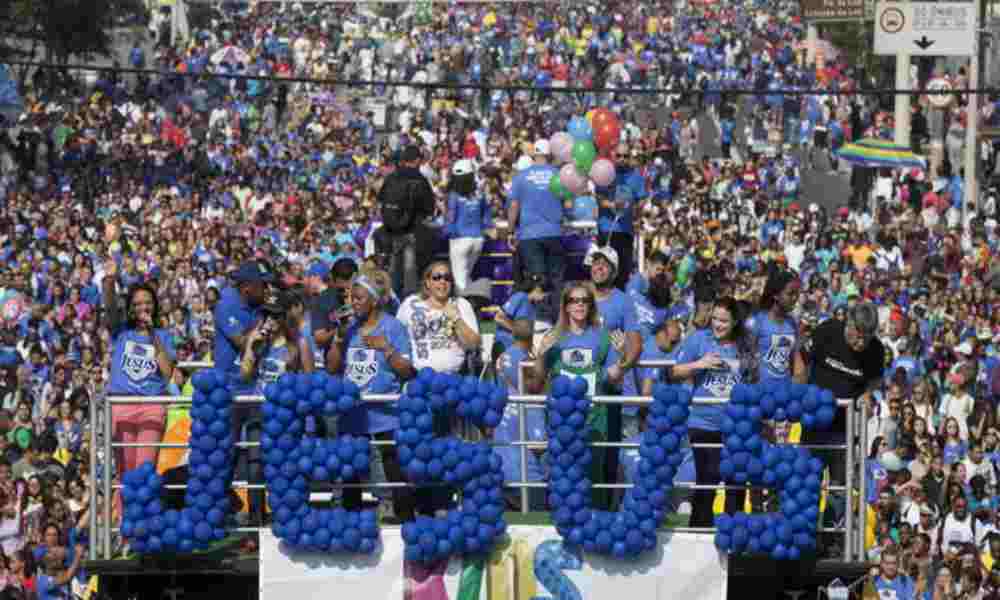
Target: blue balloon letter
<point>151,528</point>
<point>294,456</point>
<point>796,474</point>
<point>477,525</point>
<point>633,529</point>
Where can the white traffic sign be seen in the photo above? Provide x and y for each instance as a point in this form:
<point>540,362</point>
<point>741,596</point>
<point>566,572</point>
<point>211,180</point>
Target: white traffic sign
<point>925,28</point>
<point>939,84</point>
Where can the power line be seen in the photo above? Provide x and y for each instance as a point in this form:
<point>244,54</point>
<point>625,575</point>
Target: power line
<point>508,88</point>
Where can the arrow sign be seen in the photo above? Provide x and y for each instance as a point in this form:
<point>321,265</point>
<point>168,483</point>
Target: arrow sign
<point>925,28</point>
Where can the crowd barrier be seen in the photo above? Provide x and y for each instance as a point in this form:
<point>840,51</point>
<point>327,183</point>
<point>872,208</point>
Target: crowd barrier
<point>102,529</point>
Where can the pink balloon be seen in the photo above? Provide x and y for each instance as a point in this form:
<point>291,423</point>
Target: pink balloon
<point>602,172</point>
<point>562,147</point>
<point>572,180</point>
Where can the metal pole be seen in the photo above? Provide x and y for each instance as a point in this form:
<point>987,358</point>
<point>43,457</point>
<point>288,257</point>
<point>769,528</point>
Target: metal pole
<point>863,497</point>
<point>92,516</point>
<point>848,484</point>
<point>106,479</point>
<point>522,428</point>
<point>972,129</point>
<point>902,114</point>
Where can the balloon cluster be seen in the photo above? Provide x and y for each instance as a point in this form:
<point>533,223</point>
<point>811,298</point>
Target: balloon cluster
<point>294,456</point>
<point>632,530</point>
<point>478,523</point>
<point>583,151</point>
<point>793,471</point>
<point>147,525</point>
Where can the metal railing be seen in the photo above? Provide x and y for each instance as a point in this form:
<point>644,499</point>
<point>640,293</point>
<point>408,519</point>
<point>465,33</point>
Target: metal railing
<point>101,413</point>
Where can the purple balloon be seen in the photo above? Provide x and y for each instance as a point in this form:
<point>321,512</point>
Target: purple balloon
<point>602,173</point>
<point>562,147</point>
<point>572,180</point>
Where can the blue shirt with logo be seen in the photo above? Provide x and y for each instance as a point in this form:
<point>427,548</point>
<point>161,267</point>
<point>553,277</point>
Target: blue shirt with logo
<point>271,366</point>
<point>134,370</point>
<point>369,369</point>
<point>775,344</point>
<point>579,351</point>
<point>540,211</point>
<point>716,383</point>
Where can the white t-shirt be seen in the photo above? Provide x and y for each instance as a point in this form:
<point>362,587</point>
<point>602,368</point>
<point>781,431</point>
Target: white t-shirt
<point>430,345</point>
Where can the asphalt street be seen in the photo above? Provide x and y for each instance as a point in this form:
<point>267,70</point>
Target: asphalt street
<point>831,190</point>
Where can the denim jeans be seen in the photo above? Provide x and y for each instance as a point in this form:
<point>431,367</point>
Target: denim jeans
<point>545,256</point>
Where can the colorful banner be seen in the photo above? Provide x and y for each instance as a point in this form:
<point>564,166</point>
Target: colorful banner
<point>531,563</point>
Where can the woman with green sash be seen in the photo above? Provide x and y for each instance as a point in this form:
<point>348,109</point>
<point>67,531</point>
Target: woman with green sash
<point>579,347</point>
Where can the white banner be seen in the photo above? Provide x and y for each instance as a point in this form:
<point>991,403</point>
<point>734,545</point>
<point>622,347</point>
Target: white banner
<point>531,563</point>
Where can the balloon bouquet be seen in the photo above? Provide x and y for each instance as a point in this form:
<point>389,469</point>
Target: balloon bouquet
<point>584,151</point>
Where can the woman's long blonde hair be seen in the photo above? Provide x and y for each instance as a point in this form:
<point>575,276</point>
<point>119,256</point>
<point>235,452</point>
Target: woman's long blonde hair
<point>562,325</point>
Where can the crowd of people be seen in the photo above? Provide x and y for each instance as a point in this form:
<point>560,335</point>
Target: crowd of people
<point>225,208</point>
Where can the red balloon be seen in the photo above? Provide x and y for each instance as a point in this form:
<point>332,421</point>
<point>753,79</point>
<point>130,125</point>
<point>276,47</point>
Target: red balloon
<point>603,117</point>
<point>607,134</point>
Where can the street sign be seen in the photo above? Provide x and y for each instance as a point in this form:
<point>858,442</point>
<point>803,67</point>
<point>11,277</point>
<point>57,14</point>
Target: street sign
<point>925,28</point>
<point>833,10</point>
<point>940,84</point>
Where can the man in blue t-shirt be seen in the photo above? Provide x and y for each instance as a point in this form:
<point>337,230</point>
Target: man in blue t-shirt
<point>236,314</point>
<point>618,203</point>
<point>889,584</point>
<point>535,217</point>
<point>617,317</point>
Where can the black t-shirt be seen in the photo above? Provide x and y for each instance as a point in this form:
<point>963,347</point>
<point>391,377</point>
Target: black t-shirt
<point>323,309</point>
<point>838,368</point>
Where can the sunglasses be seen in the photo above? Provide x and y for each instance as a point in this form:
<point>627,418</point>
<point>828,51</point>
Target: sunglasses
<point>578,300</point>
<point>441,277</point>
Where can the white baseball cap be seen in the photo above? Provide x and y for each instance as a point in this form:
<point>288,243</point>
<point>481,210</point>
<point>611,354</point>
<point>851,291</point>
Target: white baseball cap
<point>463,167</point>
<point>607,252</point>
<point>542,147</point>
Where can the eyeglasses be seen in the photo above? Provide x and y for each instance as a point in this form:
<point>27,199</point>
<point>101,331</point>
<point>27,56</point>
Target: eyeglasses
<point>441,277</point>
<point>578,300</point>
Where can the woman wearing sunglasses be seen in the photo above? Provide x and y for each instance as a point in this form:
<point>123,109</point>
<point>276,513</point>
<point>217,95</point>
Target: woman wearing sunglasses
<point>715,360</point>
<point>442,328</point>
<point>578,346</point>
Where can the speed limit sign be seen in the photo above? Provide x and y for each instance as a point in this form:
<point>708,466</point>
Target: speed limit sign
<point>940,100</point>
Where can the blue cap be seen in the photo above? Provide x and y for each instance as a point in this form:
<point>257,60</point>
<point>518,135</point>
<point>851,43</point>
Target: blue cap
<point>318,269</point>
<point>253,271</point>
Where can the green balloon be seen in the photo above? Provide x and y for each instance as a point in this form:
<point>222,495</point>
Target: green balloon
<point>556,187</point>
<point>584,155</point>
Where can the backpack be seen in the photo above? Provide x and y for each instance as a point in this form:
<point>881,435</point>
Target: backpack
<point>398,199</point>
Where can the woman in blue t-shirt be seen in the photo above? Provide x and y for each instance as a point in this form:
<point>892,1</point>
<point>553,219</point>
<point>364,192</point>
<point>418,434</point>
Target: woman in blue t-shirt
<point>373,351</point>
<point>578,346</point>
<point>468,218</point>
<point>277,345</point>
<point>774,334</point>
<point>714,360</point>
<point>142,362</point>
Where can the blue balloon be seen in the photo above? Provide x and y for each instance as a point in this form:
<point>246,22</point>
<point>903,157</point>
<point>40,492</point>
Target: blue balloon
<point>580,129</point>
